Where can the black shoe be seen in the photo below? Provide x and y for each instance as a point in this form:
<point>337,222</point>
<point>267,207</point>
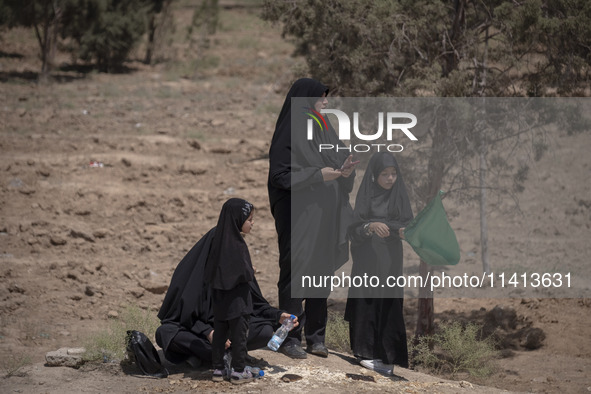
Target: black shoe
<point>318,349</point>
<point>293,351</point>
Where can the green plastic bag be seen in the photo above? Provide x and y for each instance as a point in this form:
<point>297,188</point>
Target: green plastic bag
<point>431,236</point>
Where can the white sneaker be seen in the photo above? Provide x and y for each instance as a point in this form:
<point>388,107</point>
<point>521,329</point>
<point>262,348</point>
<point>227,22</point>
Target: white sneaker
<point>378,366</point>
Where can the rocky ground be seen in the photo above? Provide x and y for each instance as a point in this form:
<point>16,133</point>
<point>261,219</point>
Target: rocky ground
<point>169,144</point>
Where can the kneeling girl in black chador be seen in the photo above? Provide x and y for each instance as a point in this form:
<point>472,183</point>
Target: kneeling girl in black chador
<point>375,315</point>
<point>214,302</point>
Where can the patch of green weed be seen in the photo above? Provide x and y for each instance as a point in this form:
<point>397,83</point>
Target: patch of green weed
<point>454,349</point>
<point>337,332</point>
<point>111,343</point>
<point>11,364</point>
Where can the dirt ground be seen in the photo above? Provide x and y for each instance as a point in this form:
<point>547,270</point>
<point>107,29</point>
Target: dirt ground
<point>177,139</point>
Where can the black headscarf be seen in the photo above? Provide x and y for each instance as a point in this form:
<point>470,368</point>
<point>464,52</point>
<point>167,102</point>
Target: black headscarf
<point>305,153</point>
<point>228,263</point>
<point>372,198</point>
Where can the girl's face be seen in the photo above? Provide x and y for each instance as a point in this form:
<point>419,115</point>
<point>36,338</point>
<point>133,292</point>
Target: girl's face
<point>247,226</point>
<point>387,178</point>
<point>321,103</point>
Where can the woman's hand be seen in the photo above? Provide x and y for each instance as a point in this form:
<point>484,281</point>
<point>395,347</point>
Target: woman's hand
<point>347,171</point>
<point>285,316</point>
<point>210,339</point>
<point>380,229</point>
<point>330,174</point>
<point>401,232</point>
<point>348,166</point>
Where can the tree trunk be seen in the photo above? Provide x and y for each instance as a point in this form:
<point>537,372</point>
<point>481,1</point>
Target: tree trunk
<point>483,221</point>
<point>47,38</point>
<point>451,59</point>
<point>158,19</point>
<point>426,313</point>
<point>151,43</point>
<point>483,168</point>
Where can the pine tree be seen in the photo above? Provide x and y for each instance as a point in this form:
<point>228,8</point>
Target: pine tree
<point>459,48</point>
<point>105,30</point>
<point>44,16</point>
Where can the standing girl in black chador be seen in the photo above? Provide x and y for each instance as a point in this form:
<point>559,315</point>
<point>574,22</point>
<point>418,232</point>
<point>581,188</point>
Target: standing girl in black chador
<point>382,210</point>
<point>229,271</point>
<point>309,196</point>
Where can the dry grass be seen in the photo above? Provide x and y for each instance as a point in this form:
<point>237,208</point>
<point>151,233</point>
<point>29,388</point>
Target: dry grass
<point>11,364</point>
<point>456,349</point>
<point>110,344</point>
<point>337,333</point>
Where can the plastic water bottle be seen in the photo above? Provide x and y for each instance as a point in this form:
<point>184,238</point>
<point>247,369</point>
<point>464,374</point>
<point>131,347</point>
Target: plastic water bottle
<point>256,372</point>
<point>281,333</point>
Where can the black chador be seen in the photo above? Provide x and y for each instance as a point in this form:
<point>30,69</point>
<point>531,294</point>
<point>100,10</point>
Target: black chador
<point>229,270</point>
<point>187,312</point>
<point>311,215</point>
<point>376,322</point>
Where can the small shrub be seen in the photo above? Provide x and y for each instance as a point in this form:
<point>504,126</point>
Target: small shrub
<point>13,363</point>
<point>337,332</point>
<point>456,348</point>
<point>421,353</point>
<point>110,344</point>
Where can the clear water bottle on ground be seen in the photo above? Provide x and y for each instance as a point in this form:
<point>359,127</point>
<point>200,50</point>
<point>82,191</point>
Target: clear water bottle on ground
<point>256,372</point>
<point>281,333</point>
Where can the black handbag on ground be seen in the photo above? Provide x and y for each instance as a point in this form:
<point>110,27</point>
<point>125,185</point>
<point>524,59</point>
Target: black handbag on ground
<point>141,350</point>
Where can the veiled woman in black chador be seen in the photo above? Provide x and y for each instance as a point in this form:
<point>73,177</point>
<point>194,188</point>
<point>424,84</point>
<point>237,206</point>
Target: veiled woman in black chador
<point>309,196</point>
<point>187,312</point>
<point>382,210</point>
